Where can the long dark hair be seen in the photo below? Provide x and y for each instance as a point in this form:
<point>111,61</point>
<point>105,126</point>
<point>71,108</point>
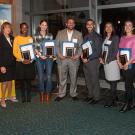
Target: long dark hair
<point>113,30</point>
<point>39,29</point>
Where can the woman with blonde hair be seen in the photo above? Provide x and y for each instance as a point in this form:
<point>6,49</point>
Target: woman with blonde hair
<point>7,62</point>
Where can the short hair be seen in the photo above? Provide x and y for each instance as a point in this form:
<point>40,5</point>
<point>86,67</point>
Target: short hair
<point>23,23</point>
<point>4,25</point>
<point>91,20</point>
<point>70,18</point>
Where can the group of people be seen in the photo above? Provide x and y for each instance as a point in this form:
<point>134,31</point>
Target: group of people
<point>14,67</point>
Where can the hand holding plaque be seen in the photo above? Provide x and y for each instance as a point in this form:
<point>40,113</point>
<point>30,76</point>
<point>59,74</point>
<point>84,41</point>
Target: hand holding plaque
<point>49,48</point>
<point>27,52</point>
<point>68,49</point>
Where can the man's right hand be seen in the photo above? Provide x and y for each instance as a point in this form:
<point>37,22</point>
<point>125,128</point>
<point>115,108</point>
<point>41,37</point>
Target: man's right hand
<point>84,60</point>
<point>61,57</point>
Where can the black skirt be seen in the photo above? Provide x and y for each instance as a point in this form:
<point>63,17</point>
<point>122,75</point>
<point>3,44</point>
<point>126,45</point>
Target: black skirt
<point>25,71</point>
<point>9,75</point>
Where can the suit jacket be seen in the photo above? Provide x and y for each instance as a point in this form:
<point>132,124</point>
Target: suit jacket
<point>113,49</point>
<point>77,36</point>
<point>6,52</point>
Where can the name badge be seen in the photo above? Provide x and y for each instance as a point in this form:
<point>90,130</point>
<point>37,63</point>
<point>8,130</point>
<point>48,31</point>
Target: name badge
<point>74,40</point>
<point>109,42</point>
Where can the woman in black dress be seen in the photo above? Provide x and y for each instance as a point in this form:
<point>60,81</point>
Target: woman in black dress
<point>25,69</point>
<point>7,62</point>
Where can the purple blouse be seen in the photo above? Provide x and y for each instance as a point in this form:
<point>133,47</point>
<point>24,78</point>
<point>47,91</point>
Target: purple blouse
<point>128,42</point>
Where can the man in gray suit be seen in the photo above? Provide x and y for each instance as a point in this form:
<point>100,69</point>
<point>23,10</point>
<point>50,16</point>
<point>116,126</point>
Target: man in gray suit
<point>68,65</point>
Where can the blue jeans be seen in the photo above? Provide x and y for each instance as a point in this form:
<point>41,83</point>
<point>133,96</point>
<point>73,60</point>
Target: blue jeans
<point>44,69</point>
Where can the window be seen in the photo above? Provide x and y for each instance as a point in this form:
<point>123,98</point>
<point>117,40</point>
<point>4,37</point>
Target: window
<point>108,2</point>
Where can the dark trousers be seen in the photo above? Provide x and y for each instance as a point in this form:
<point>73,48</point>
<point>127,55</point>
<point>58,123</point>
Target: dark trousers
<point>129,88</point>
<point>25,86</point>
<point>91,72</point>
<point>113,92</point>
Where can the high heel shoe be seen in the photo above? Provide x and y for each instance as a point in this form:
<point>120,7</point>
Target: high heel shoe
<point>3,104</point>
<point>41,98</point>
<point>47,97</point>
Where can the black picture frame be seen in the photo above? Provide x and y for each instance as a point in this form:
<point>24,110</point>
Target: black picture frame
<point>49,51</point>
<point>85,53</point>
<point>104,56</point>
<point>26,55</point>
<point>69,52</point>
<point>123,59</point>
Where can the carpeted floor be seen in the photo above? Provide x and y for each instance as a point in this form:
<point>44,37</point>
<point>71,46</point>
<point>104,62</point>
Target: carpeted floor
<point>64,118</point>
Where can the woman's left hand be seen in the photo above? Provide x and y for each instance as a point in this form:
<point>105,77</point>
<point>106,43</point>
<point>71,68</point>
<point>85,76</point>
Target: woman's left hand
<point>126,66</point>
<point>51,57</point>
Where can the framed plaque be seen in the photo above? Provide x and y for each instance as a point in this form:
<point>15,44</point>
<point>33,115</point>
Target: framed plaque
<point>104,56</point>
<point>68,49</point>
<point>105,52</point>
<point>49,48</point>
<point>87,49</point>
<point>27,51</point>
<point>123,59</point>
<point>26,55</point>
<point>85,53</point>
<point>125,55</point>
<point>49,51</point>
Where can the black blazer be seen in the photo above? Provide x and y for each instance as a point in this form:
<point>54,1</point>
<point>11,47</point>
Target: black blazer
<point>6,52</point>
<point>113,49</point>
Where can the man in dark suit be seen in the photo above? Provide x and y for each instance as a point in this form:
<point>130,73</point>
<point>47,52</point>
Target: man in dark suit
<point>91,65</point>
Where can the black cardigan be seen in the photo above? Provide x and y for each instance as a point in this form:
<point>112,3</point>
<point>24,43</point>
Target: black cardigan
<point>6,52</point>
<point>113,49</point>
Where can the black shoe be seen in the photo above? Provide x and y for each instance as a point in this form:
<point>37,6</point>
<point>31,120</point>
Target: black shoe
<point>58,99</point>
<point>75,98</point>
<point>93,101</point>
<point>126,107</point>
<point>107,105</point>
<point>110,104</point>
<point>87,99</point>
<point>23,99</point>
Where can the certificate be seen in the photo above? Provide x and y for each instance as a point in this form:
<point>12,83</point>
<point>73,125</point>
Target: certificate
<point>49,48</point>
<point>68,49</point>
<point>87,49</point>
<point>27,51</point>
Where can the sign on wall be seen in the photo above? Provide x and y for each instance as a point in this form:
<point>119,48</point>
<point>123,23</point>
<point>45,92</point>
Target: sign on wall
<point>5,13</point>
